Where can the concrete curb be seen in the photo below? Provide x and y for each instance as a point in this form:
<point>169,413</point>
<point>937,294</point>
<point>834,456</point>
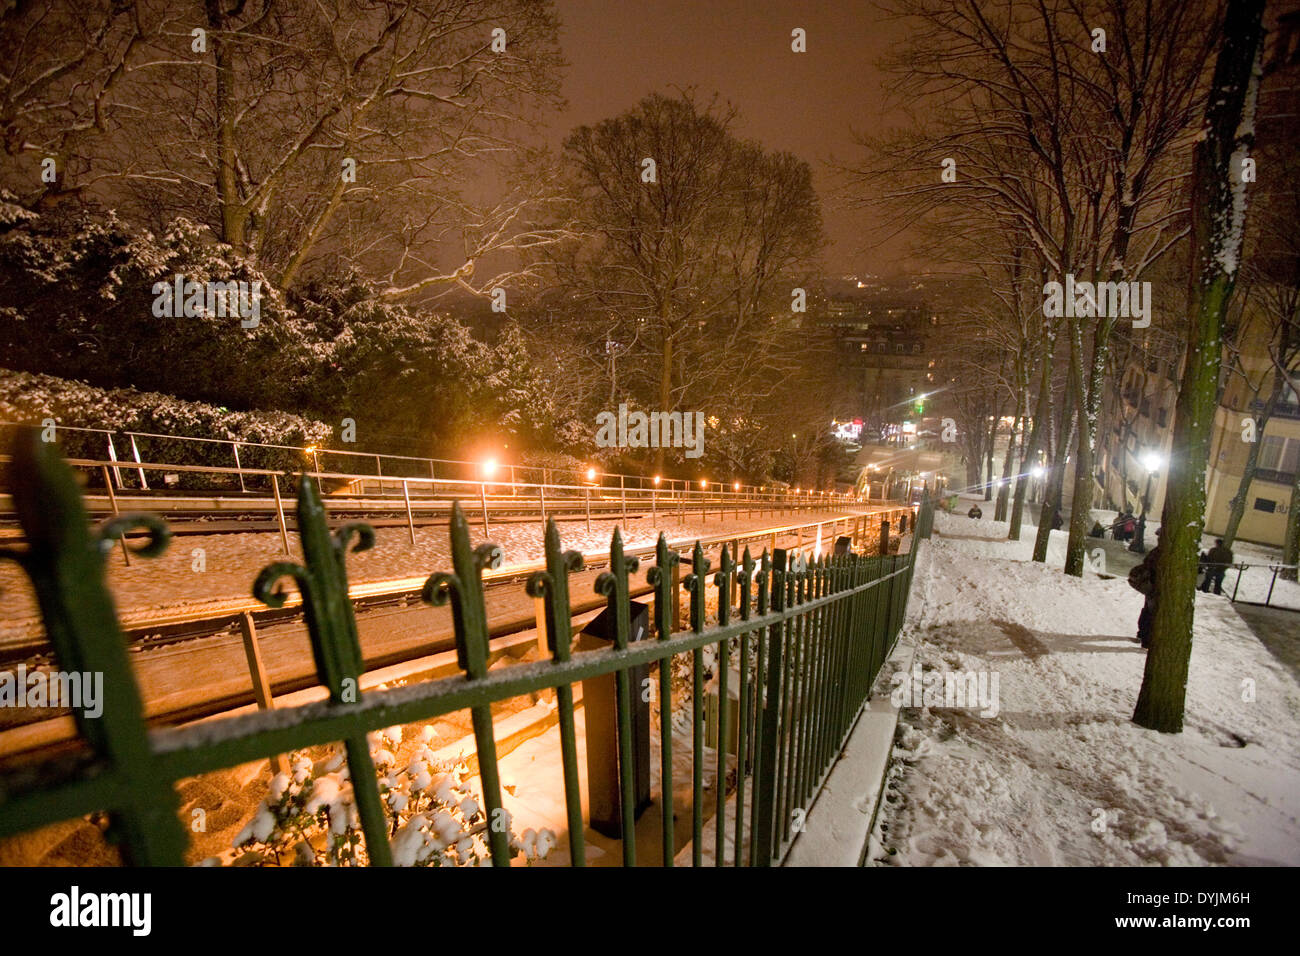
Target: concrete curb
<point>838,829</point>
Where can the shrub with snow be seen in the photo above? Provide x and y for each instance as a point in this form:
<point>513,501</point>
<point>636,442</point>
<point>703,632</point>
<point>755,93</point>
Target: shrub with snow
<point>435,817</point>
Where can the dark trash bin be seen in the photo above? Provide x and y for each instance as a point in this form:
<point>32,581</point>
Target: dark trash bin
<point>600,704</point>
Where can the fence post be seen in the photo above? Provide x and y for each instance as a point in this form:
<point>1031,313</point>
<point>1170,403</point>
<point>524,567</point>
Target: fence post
<point>135,453</point>
<point>550,588</point>
<point>410,519</point>
<point>257,674</point>
<point>279,512</point>
<point>664,577</point>
<point>65,562</point>
<point>482,497</point>
<point>240,467</point>
<point>112,456</point>
<point>336,649</point>
<point>884,537</point>
<point>765,769</point>
<point>112,500</point>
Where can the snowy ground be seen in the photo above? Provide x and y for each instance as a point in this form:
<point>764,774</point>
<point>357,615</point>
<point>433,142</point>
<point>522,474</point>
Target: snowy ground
<point>1061,775</point>
<point>988,538</point>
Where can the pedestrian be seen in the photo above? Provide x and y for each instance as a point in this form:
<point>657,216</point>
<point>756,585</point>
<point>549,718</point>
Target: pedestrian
<point>1138,542</point>
<point>1143,580</point>
<point>1216,566</point>
<point>974,512</point>
<point>1057,522</point>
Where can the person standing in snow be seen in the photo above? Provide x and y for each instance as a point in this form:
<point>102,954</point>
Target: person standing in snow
<point>1138,544</point>
<point>1057,521</point>
<point>1216,566</point>
<point>1143,580</point>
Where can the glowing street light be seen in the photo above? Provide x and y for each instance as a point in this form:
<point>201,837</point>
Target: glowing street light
<point>1152,462</point>
<point>735,486</point>
<point>1036,471</point>
<point>704,483</point>
<point>657,480</point>
<point>591,474</point>
<point>489,467</point>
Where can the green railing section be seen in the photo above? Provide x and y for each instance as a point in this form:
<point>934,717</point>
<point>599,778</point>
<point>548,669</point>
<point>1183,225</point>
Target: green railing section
<point>811,639</point>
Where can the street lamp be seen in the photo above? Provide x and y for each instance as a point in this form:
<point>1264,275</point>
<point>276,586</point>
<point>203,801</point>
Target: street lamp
<point>1151,461</point>
<point>489,467</point>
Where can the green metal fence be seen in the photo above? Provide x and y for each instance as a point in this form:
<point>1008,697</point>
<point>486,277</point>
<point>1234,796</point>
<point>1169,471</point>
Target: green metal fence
<point>812,635</point>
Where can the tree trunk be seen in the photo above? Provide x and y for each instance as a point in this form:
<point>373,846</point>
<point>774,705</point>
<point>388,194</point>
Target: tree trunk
<point>234,217</point>
<point>1291,543</point>
<point>1042,409</point>
<point>665,392</point>
<point>988,456</point>
<point>1008,462</point>
<point>1055,478</point>
<point>1218,209</point>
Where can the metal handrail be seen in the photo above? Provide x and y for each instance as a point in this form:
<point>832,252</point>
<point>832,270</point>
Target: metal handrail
<point>1241,566</point>
<point>307,450</point>
<point>680,500</point>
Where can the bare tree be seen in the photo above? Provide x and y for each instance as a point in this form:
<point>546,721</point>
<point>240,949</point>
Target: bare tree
<point>325,132</point>
<point>699,240</point>
<point>1218,211</point>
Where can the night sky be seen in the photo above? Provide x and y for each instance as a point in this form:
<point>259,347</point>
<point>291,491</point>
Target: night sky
<point>808,104</point>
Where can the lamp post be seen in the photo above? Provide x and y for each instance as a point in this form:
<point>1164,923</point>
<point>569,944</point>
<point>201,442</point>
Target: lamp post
<point>1151,462</point>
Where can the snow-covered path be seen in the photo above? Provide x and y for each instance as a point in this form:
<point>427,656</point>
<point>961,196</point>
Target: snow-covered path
<point>1061,776</point>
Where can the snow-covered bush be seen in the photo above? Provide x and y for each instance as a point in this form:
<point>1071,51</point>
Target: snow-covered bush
<point>77,302</point>
<point>435,817</point>
<point>26,398</point>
